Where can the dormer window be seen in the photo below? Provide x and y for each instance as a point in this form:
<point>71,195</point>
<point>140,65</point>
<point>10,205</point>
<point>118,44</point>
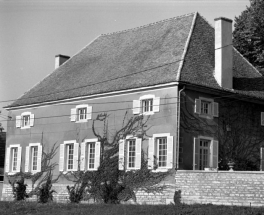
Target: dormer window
<point>25,120</point>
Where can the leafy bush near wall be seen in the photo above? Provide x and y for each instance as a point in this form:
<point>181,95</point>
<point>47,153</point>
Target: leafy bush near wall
<point>19,190</point>
<point>23,207</point>
<point>44,193</point>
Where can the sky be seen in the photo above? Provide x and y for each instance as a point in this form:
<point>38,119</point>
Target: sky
<point>32,32</point>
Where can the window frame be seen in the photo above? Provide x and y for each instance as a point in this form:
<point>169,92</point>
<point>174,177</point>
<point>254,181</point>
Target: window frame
<point>30,158</point>
<point>75,113</point>
<point>129,139</point>
<point>63,157</point>
<point>146,98</point>
<point>213,109</point>
<point>88,147</point>
<point>12,150</point>
<point>67,148</point>
<point>9,165</point>
<point>22,121</point>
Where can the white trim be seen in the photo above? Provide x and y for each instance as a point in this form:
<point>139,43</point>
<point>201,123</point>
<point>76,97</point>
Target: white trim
<point>11,158</point>
<point>210,112</point>
<point>91,140</point>
<point>161,135</point>
<point>34,144</point>
<point>65,143</point>
<point>127,154</point>
<point>95,96</point>
<point>88,142</point>
<point>22,120</point>
<point>150,96</point>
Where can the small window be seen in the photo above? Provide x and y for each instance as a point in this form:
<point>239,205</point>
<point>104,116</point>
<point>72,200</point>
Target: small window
<point>147,105</point>
<point>69,149</point>
<point>206,108</point>
<point>25,120</point>
<point>81,113</point>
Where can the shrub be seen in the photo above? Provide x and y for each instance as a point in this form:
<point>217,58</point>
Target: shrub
<point>19,190</point>
<point>44,193</point>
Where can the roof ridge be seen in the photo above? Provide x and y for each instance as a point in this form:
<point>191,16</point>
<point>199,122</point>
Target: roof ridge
<point>147,25</point>
<point>186,46</point>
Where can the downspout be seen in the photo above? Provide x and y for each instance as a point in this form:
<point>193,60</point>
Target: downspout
<point>178,126</point>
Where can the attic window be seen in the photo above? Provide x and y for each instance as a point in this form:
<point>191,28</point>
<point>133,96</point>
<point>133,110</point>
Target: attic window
<point>81,113</point>
<point>25,120</point>
<point>146,105</point>
<point>206,107</point>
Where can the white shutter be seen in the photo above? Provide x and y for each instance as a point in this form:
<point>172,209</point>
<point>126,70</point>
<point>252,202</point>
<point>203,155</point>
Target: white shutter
<point>196,146</point>
<point>27,159</point>
<point>7,161</point>
<point>73,114</point>
<point>39,158</point>
<point>151,153</point>
<point>215,109</point>
<point>138,153</point>
<point>97,155</point>
<point>121,153</point>
<point>262,118</point>
<point>18,121</point>
<point>214,154</point>
<point>197,108</point>
<point>19,149</point>
<point>136,106</point>
<point>61,164</point>
<point>32,119</point>
<point>261,159</point>
<point>170,152</point>
<point>89,112</point>
<point>75,156</point>
<point>82,159</point>
<point>156,104</point>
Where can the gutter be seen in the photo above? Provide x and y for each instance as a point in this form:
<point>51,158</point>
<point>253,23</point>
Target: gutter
<point>178,125</point>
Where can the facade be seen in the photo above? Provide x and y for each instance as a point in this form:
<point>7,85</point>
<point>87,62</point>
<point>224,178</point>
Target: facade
<point>174,71</point>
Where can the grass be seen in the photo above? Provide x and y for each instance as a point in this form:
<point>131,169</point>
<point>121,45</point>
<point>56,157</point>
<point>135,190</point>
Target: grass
<point>31,208</point>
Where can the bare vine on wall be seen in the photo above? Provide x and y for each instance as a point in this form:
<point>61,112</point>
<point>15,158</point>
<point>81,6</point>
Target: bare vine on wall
<point>237,128</point>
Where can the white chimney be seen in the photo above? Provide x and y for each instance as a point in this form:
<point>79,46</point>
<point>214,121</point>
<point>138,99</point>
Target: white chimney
<point>223,52</point>
<point>60,59</point>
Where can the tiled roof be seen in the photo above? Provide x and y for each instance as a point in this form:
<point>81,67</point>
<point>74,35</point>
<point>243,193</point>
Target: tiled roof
<point>144,56</point>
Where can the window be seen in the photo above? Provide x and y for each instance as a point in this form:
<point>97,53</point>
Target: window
<point>147,105</point>
<point>69,156</point>
<point>90,155</point>
<point>206,107</point>
<point>130,153</point>
<point>25,120</point>
<point>160,152</point>
<point>205,153</point>
<point>13,159</point>
<point>33,158</point>
<point>81,113</point>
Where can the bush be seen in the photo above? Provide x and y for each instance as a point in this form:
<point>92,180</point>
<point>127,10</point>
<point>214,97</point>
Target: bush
<point>19,190</point>
<point>44,193</point>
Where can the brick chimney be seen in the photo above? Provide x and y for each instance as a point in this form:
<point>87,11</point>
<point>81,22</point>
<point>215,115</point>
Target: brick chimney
<point>223,52</point>
<point>60,59</point>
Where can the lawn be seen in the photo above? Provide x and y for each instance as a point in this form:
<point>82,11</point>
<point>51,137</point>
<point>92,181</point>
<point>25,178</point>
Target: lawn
<point>31,208</point>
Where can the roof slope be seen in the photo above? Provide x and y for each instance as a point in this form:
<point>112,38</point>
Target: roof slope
<point>144,56</point>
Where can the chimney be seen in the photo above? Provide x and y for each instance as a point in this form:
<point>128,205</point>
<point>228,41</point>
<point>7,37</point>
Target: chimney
<point>223,52</point>
<point>60,59</point>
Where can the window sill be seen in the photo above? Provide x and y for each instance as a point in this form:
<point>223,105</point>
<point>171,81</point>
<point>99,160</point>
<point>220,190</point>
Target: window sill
<point>160,170</point>
<point>147,113</point>
<point>12,173</point>
<point>206,116</point>
<point>82,121</point>
<point>26,127</point>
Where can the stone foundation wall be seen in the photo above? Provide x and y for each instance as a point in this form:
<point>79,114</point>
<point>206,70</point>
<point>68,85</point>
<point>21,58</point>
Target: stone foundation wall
<point>221,188</point>
<point>62,195</point>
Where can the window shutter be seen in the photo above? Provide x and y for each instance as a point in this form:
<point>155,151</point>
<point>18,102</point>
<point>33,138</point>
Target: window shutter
<point>39,158</point>
<point>170,152</point>
<point>32,119</point>
<point>138,153</point>
<point>7,161</point>
<point>214,154</point>
<point>61,164</point>
<point>261,159</point>
<point>75,156</point>
<point>18,121</point>
<point>97,155</point>
<point>121,155</point>
<point>151,153</point>
<point>196,146</point>
<point>262,118</point>
<point>215,109</point>
<point>73,114</point>
<point>89,112</point>
<point>82,159</point>
<point>27,159</point>
<point>19,149</point>
<point>136,106</point>
<point>197,108</point>
<point>156,104</point>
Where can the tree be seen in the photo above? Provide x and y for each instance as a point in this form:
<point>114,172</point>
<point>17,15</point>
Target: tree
<point>248,36</point>
<point>109,184</point>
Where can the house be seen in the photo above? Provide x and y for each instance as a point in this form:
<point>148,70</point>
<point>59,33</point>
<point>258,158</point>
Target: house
<point>180,72</point>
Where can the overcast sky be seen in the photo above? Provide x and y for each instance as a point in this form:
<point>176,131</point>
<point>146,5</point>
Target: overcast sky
<point>32,32</point>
